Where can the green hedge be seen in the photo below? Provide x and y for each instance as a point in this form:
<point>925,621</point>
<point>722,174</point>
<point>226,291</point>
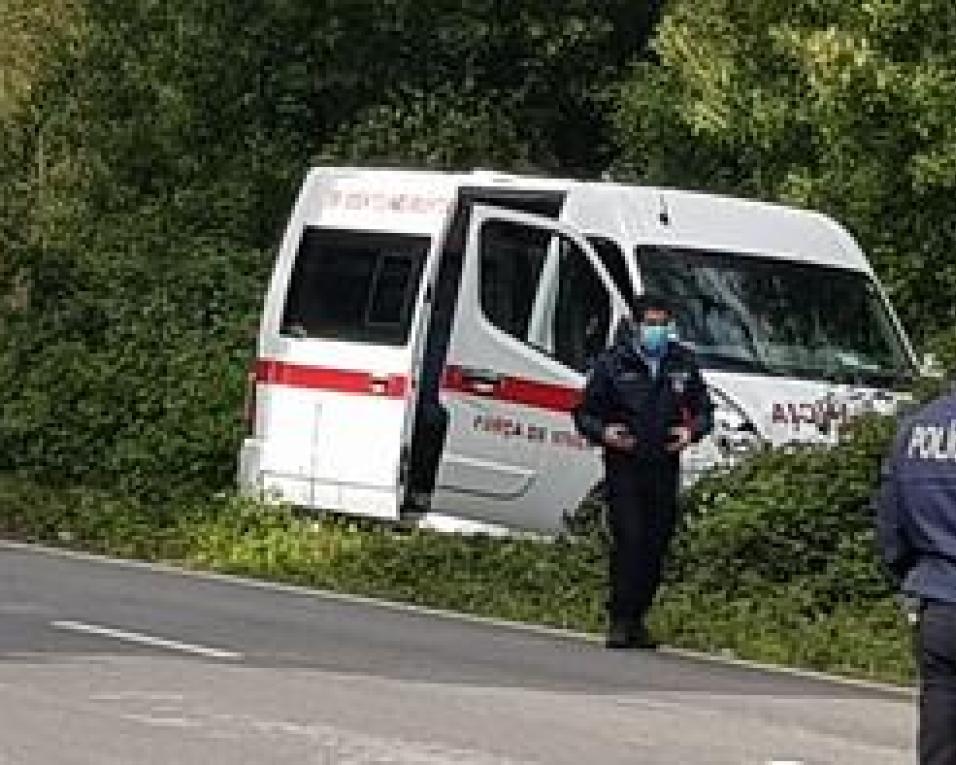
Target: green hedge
<point>783,548</point>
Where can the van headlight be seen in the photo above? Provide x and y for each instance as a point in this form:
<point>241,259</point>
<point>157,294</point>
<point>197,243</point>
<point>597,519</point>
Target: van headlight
<point>735,434</point>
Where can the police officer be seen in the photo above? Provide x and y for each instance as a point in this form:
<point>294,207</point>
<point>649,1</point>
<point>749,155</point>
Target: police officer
<point>645,402</point>
<point>916,525</point>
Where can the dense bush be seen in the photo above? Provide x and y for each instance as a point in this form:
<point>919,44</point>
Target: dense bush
<point>785,545</point>
<point>799,516</point>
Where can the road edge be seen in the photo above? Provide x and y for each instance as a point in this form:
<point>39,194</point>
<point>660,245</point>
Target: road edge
<point>896,691</point>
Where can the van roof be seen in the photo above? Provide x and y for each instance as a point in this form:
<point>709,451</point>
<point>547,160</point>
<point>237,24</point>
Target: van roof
<point>496,177</point>
<point>706,217</point>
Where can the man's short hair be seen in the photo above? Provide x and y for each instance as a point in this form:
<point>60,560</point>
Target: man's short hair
<point>652,301</point>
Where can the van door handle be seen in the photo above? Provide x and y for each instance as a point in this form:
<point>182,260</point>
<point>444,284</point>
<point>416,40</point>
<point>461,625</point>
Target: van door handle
<point>482,382</point>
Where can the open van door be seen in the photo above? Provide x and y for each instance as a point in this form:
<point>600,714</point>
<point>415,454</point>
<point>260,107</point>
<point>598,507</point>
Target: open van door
<point>536,306</point>
<point>335,378</point>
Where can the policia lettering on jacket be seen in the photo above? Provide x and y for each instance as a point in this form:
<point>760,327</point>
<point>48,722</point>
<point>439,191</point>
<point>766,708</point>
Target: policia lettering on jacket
<point>644,402</point>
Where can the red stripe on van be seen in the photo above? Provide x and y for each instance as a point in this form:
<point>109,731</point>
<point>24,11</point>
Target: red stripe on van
<point>334,380</point>
<point>516,390</point>
<point>513,390</point>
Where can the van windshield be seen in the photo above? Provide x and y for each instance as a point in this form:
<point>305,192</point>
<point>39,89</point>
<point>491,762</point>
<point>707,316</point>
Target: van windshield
<point>772,316</point>
<point>354,285</point>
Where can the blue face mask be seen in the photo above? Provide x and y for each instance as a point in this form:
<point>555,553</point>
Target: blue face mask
<point>656,337</point>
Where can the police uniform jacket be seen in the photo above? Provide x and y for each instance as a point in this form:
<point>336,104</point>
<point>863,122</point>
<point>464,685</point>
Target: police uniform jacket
<point>623,389</point>
<point>916,506</point>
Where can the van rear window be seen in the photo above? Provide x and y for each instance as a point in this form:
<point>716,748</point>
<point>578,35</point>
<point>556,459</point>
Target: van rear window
<point>354,285</point>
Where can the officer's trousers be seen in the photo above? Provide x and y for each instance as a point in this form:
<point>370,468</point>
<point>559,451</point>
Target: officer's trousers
<point>937,660</point>
<point>642,503</point>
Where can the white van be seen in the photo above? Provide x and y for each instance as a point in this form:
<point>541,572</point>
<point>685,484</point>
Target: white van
<point>426,336</point>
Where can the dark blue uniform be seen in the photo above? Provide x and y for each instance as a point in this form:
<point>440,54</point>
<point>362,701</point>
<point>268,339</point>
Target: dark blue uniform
<point>916,524</point>
<point>642,485</point>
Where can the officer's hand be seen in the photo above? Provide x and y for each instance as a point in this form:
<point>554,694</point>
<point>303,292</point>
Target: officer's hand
<point>680,439</point>
<point>618,437</point>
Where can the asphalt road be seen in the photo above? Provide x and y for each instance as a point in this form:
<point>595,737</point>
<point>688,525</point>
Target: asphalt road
<point>104,663</point>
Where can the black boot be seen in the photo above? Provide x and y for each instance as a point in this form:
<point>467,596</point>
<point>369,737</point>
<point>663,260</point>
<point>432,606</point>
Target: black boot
<point>618,634</point>
<point>626,634</point>
<point>641,638</point>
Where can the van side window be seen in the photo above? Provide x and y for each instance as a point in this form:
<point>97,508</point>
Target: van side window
<point>582,314</point>
<point>540,288</point>
<point>512,258</point>
<point>357,286</point>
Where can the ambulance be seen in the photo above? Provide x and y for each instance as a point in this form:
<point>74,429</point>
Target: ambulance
<point>426,337</point>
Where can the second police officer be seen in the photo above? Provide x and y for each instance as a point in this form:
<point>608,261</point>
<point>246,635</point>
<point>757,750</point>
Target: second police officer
<point>916,523</point>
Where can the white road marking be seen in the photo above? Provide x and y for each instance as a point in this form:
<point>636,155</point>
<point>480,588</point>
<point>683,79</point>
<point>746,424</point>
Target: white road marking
<point>138,696</point>
<point>148,640</point>
<point>162,722</point>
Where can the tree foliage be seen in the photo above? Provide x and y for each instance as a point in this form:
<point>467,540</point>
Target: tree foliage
<point>30,30</point>
<point>845,107</point>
